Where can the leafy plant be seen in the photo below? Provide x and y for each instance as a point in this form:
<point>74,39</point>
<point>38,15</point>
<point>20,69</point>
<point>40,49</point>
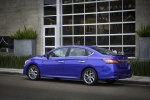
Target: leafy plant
<point>13,61</point>
<point>140,68</point>
<point>26,33</point>
<point>144,31</point>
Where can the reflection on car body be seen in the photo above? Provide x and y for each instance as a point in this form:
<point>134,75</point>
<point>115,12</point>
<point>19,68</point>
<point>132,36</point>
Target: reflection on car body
<point>87,63</point>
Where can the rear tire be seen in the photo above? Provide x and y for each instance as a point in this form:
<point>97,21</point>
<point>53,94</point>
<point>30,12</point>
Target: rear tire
<point>33,72</point>
<point>89,76</point>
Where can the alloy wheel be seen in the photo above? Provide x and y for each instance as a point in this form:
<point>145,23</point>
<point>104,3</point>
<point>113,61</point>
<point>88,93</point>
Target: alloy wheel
<point>89,76</point>
<point>33,72</point>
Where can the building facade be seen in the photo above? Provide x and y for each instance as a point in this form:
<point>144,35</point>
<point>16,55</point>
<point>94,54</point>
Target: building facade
<point>109,24</point>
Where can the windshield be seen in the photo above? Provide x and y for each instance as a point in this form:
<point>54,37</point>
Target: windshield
<point>104,51</point>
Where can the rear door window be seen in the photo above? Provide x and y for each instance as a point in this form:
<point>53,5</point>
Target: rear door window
<point>77,52</point>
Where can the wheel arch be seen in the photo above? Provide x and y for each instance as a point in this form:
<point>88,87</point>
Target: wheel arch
<point>31,65</point>
<point>87,68</point>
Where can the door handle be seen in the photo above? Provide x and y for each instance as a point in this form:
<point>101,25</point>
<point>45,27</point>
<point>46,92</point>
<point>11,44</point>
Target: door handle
<point>60,61</point>
<point>81,61</point>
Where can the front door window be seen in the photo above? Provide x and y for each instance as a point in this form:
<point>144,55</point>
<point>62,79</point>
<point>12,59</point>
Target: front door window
<point>59,53</point>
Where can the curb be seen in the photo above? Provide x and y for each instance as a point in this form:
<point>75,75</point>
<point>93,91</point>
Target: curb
<point>11,73</point>
<point>133,82</point>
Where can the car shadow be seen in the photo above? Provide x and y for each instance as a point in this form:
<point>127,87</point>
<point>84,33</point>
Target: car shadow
<point>77,82</point>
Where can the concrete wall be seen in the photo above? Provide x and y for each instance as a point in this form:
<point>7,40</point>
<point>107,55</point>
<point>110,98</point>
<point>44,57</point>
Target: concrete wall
<point>144,44</point>
<point>22,49</point>
<point>15,14</point>
<point>142,17</point>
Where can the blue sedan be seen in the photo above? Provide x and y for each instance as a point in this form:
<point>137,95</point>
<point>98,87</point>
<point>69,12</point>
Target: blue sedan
<point>87,63</point>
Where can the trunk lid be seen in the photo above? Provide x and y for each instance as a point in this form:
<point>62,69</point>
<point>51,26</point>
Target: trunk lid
<point>123,61</point>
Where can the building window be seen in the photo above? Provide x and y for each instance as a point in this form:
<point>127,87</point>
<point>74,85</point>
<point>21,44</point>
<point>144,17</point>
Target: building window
<point>79,40</point>
<point>49,12</point>
<point>67,28</point>
<point>78,30</point>
<point>103,29</point>
<point>105,23</point>
<point>6,44</point>
<point>90,29</point>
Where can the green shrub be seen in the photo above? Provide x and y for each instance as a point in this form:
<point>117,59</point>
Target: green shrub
<point>26,33</point>
<point>13,61</point>
<point>140,68</point>
<point>144,31</point>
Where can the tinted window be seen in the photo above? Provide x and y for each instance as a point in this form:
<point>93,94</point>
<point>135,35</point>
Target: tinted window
<point>89,53</point>
<point>103,51</point>
<point>77,52</point>
<point>59,52</point>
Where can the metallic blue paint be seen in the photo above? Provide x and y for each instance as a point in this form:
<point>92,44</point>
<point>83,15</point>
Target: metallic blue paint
<point>72,67</point>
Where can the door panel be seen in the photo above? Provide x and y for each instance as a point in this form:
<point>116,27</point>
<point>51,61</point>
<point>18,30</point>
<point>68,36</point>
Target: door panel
<point>53,66</point>
<point>74,65</point>
<point>75,62</point>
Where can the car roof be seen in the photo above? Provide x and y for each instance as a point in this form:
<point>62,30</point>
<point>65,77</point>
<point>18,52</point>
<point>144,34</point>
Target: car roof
<point>85,46</point>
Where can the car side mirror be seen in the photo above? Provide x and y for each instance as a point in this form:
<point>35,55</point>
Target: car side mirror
<point>47,56</point>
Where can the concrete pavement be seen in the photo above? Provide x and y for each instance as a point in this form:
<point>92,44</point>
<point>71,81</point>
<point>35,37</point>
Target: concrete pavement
<point>133,80</point>
<point>11,71</point>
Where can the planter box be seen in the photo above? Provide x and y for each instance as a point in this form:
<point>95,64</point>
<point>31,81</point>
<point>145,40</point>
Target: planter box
<point>24,47</point>
<point>144,48</point>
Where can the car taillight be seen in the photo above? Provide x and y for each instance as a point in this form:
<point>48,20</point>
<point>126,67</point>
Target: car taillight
<point>110,61</point>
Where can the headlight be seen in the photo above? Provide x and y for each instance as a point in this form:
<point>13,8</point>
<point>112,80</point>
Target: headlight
<point>26,61</point>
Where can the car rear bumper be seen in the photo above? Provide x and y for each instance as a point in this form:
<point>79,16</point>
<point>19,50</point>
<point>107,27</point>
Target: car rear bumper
<point>116,75</point>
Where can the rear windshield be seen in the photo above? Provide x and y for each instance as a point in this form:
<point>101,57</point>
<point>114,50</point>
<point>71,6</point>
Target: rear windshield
<point>104,51</point>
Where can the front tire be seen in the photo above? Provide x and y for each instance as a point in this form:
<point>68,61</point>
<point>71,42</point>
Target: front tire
<point>33,72</point>
<point>89,76</point>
